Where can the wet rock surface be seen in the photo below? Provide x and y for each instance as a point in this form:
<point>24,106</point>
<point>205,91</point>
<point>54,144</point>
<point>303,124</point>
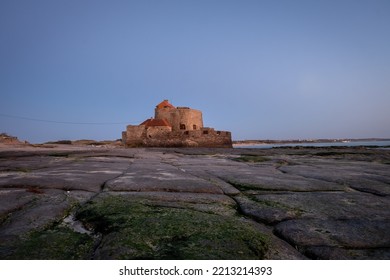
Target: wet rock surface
<point>113,203</point>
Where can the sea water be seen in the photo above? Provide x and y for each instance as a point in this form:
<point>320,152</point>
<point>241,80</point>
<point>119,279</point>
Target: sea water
<point>379,143</point>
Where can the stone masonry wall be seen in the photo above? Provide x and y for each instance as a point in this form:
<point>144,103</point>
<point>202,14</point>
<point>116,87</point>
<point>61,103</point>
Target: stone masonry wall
<point>181,118</point>
<point>134,135</point>
<point>158,132</point>
<point>162,137</point>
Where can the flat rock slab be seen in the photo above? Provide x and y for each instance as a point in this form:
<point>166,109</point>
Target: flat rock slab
<point>353,233</point>
<point>365,236</point>
<point>267,212</point>
<point>203,202</point>
<point>336,253</point>
<point>261,179</point>
<point>335,205</point>
<point>145,175</point>
<point>372,178</point>
<point>34,211</point>
<point>88,174</point>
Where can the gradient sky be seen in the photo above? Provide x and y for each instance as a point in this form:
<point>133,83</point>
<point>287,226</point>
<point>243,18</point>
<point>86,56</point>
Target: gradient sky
<point>261,69</point>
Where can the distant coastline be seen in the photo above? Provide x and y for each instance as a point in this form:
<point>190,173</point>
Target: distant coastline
<point>266,144</point>
<point>304,141</point>
<point>8,140</point>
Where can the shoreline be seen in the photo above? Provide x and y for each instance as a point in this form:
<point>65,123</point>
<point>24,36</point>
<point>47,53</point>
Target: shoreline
<point>303,141</point>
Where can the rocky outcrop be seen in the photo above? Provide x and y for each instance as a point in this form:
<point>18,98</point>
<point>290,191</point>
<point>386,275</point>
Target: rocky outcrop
<point>98,203</point>
<point>6,139</point>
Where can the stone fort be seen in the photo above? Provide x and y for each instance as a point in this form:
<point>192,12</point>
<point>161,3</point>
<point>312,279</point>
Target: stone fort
<point>175,127</point>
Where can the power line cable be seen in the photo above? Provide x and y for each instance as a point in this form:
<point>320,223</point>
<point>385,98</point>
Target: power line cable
<point>61,122</point>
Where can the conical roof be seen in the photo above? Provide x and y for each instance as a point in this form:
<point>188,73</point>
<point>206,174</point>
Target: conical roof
<point>165,104</point>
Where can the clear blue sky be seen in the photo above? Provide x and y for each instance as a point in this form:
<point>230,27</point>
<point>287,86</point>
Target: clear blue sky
<point>261,69</point>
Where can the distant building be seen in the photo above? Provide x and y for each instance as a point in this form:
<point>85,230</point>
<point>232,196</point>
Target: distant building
<point>175,127</point>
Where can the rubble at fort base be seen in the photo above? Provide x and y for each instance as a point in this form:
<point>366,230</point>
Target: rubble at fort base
<point>175,127</point>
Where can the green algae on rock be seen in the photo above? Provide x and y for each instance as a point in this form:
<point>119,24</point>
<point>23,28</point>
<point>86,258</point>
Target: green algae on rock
<point>134,229</point>
<point>57,243</point>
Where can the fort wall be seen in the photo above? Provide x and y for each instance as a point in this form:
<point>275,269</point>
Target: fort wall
<point>164,137</point>
<point>175,127</point>
<point>134,135</point>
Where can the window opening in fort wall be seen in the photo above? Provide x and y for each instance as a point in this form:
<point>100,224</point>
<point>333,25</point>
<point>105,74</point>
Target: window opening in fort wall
<point>175,127</point>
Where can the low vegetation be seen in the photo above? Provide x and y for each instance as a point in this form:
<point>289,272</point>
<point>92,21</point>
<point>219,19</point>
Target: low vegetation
<point>55,243</point>
<point>136,230</point>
